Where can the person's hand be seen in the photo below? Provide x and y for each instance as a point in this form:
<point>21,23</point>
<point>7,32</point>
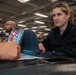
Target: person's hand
<point>9,51</point>
<point>41,47</point>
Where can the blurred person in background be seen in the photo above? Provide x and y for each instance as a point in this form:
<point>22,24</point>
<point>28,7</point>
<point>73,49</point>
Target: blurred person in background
<point>15,34</point>
<point>9,26</point>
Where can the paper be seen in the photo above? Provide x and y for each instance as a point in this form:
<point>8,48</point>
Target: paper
<point>27,57</point>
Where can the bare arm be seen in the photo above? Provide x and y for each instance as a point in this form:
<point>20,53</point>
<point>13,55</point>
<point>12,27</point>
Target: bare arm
<point>41,47</point>
<point>9,51</point>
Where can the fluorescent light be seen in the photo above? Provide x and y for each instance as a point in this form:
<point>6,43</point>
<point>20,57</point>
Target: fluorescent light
<point>34,27</point>
<point>41,15</point>
<point>1,28</point>
<point>54,0</point>
<point>39,22</point>
<point>47,29</point>
<point>23,1</point>
<point>42,26</point>
<point>21,21</point>
<point>21,25</point>
<point>26,28</point>
<point>34,30</point>
<point>45,34</point>
<point>40,32</point>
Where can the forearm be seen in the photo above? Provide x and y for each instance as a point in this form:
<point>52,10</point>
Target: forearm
<point>41,47</point>
<point>1,51</point>
<point>70,49</point>
<point>9,51</point>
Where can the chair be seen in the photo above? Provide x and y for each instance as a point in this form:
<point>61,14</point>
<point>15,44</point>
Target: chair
<point>29,43</point>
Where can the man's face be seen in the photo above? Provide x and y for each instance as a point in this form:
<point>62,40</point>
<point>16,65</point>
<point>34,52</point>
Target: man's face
<point>8,27</point>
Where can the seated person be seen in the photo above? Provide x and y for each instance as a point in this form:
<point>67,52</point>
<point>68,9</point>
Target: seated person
<point>62,38</point>
<point>15,34</point>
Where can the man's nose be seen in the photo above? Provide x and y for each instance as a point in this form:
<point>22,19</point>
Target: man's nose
<point>55,17</point>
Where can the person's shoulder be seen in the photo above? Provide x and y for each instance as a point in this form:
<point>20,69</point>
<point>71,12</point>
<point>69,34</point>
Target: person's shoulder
<point>74,26</point>
<point>53,30</point>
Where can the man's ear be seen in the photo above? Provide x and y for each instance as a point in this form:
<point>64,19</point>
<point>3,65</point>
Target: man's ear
<point>68,15</point>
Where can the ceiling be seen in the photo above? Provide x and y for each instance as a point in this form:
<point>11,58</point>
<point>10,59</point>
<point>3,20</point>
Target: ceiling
<point>14,10</point>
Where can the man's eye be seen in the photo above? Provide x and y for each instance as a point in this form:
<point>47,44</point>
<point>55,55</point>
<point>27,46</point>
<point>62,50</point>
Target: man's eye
<point>53,15</point>
<point>6,24</point>
<point>59,14</point>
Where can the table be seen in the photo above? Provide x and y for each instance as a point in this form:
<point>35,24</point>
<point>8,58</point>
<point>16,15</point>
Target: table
<point>38,67</point>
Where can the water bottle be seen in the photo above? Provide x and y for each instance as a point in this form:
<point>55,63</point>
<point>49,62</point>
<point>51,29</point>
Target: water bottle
<point>16,36</point>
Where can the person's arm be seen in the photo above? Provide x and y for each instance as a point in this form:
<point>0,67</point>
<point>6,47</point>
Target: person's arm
<point>45,45</point>
<point>9,51</point>
<point>41,47</point>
